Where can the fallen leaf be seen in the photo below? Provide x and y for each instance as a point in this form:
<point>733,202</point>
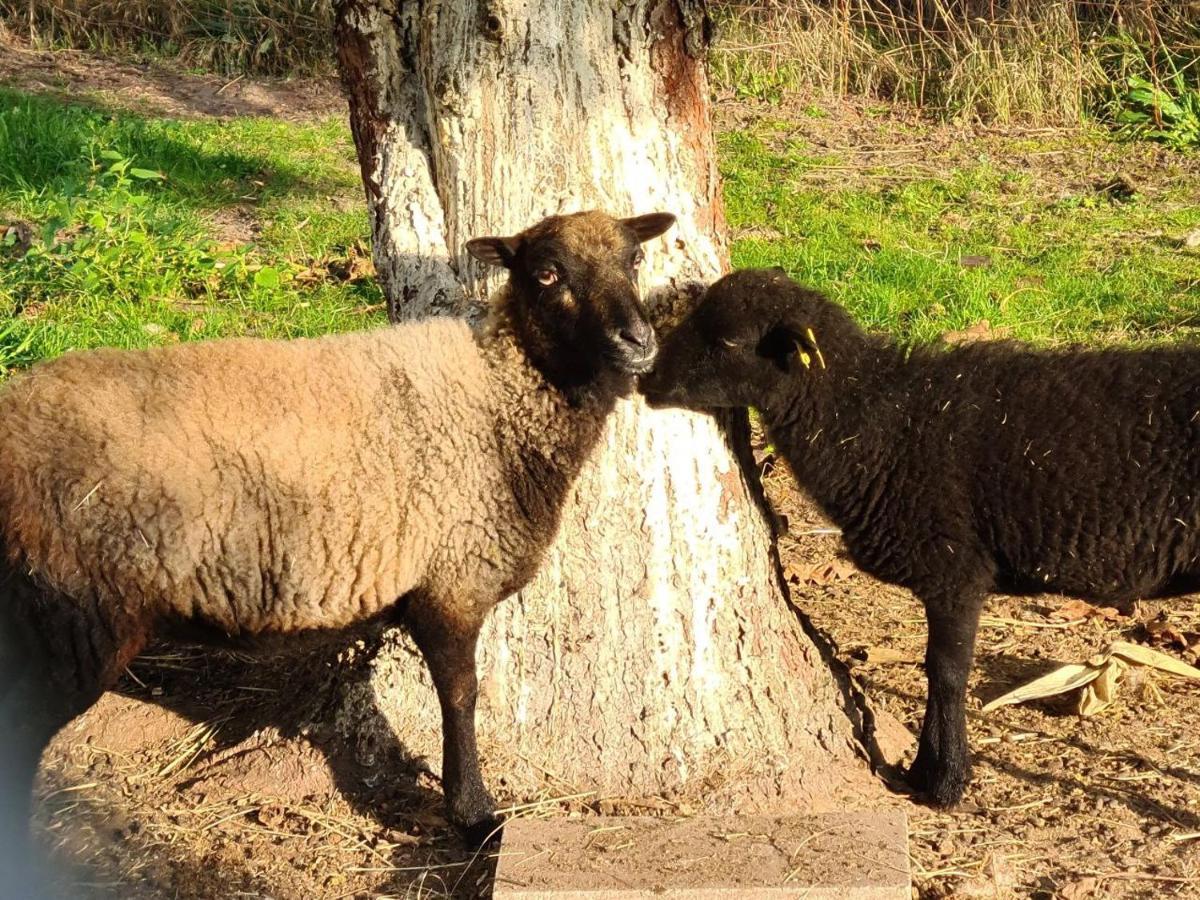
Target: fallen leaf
<point>821,573</point>
<point>975,262</point>
<point>1060,681</point>
<point>1191,240</point>
<point>1145,656</point>
<point>872,246</point>
<point>980,331</point>
<point>1080,889</point>
<point>1101,692</point>
<point>1080,609</point>
<point>1160,631</point>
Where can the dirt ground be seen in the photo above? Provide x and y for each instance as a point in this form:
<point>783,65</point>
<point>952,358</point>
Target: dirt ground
<point>206,777</point>
<point>157,89</point>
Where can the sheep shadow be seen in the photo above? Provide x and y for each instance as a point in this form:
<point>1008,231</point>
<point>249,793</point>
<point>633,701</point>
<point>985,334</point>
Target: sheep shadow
<point>1137,803</point>
<point>1002,672</point>
<point>734,426</point>
<point>294,692</point>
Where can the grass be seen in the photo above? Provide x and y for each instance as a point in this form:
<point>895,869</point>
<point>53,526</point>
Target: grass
<point>130,219</point>
<point>919,256</point>
<point>147,231</point>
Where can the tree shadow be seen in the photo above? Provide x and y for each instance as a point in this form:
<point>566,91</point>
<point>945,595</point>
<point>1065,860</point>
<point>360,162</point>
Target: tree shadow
<point>50,142</point>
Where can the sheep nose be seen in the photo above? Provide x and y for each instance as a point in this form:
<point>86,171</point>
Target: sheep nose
<point>629,336</point>
<point>637,346</point>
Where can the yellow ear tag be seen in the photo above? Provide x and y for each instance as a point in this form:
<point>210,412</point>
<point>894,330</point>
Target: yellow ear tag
<point>812,339</point>
<point>804,358</point>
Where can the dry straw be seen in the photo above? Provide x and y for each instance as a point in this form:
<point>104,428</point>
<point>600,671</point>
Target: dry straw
<point>1048,61</point>
<point>1043,61</point>
<point>267,36</point>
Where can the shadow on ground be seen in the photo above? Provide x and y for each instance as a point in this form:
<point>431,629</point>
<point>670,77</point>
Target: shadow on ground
<point>268,775</point>
<point>54,144</point>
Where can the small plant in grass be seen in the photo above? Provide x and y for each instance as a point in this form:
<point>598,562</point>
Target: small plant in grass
<point>108,241</point>
<point>1169,114</point>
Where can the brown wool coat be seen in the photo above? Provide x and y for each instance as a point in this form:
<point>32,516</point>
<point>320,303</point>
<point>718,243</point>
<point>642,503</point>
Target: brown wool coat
<point>257,486</point>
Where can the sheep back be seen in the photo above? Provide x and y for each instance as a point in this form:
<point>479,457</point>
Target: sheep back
<point>255,485</point>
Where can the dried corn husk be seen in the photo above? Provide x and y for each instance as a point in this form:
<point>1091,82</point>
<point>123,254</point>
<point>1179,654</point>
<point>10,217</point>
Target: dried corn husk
<point>1098,680</point>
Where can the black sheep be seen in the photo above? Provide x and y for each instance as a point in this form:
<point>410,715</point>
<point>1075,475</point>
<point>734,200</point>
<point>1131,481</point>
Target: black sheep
<point>955,472</point>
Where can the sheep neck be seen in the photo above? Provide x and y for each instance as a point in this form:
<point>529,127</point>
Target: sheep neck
<point>839,429</point>
<point>544,432</point>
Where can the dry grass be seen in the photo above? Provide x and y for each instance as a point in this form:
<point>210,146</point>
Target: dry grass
<point>1045,61</point>
<point>266,36</point>
<point>1048,61</point>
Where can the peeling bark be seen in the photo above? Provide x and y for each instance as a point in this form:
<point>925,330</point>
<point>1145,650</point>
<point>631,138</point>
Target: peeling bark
<point>655,652</point>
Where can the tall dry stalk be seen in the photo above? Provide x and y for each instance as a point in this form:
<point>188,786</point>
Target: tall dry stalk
<point>274,36</point>
<point>994,60</point>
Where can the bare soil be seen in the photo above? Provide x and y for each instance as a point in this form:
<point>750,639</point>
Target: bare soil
<point>157,89</point>
<point>210,774</point>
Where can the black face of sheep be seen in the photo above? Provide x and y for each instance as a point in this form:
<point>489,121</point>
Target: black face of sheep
<point>741,346</point>
<point>573,284</point>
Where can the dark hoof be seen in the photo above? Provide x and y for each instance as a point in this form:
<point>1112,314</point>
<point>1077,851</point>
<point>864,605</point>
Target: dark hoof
<point>945,794</point>
<point>940,784</point>
<point>919,776</point>
<point>482,832</point>
<point>939,788</point>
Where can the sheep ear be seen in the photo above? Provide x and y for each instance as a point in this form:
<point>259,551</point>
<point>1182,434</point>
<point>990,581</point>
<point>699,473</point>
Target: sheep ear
<point>649,226</point>
<point>790,348</point>
<point>495,251</point>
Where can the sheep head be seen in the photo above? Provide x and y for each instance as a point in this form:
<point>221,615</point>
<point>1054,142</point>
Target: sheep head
<point>753,338</point>
<point>572,297</point>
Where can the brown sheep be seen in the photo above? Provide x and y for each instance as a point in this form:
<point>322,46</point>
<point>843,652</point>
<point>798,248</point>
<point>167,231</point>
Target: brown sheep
<point>244,488</point>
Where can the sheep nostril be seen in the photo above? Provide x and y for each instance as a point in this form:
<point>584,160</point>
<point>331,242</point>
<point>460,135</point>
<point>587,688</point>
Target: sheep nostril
<point>628,336</point>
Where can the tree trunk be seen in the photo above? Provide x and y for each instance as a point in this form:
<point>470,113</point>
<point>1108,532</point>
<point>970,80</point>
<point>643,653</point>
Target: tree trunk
<point>655,653</point>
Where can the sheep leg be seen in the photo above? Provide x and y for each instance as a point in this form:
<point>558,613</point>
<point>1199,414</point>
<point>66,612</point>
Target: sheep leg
<point>449,651</point>
<point>942,767</point>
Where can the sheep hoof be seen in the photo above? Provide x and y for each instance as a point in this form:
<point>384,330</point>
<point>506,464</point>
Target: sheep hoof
<point>483,831</point>
<point>940,786</point>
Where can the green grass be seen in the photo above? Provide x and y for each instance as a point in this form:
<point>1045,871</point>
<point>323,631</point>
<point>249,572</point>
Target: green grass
<point>1080,269</point>
<point>129,248</point>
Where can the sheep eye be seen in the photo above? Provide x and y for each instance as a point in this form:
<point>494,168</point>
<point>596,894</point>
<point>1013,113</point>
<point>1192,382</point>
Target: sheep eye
<point>547,277</point>
<point>727,343</point>
<point>638,258</point>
